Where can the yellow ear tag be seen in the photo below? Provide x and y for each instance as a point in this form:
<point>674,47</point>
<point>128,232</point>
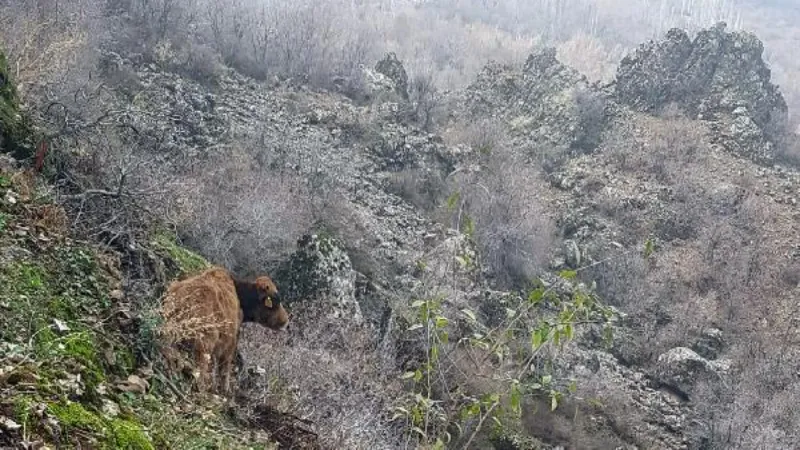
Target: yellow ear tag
<point>268,302</point>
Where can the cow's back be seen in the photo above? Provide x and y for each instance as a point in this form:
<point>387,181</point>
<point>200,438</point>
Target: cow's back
<point>203,309</point>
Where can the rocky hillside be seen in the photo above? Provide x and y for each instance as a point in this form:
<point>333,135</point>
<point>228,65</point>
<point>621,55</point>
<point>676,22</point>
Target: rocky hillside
<point>433,276</point>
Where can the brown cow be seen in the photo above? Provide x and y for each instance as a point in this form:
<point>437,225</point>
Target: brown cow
<point>207,310</point>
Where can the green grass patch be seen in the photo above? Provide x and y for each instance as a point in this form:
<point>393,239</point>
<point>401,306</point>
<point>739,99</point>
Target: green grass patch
<point>186,260</point>
<point>111,433</point>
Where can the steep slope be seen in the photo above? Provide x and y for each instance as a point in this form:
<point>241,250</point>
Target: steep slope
<point>381,238</point>
<point>71,368</point>
<point>686,120</point>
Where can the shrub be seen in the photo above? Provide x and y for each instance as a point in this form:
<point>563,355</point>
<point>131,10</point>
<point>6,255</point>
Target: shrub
<point>591,112</point>
<point>424,97</point>
<point>425,190</point>
<point>15,135</point>
<point>498,206</point>
<point>483,136</point>
<point>243,215</point>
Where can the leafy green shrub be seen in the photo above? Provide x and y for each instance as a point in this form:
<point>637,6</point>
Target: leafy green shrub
<point>514,352</point>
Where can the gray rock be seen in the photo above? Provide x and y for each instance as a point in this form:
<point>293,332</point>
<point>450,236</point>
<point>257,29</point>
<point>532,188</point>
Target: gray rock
<point>547,102</point>
<point>320,271</point>
<point>572,253</point>
<point>710,344</point>
<point>719,77</point>
<point>392,68</point>
<point>681,369</point>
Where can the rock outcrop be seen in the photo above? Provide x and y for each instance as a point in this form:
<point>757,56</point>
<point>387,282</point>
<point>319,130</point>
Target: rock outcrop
<point>547,103</point>
<point>320,272</point>
<point>392,68</point>
<point>719,77</point>
<point>681,369</point>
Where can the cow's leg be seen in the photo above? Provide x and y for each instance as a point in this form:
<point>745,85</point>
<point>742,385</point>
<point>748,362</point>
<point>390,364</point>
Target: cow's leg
<point>226,361</point>
<point>202,358</point>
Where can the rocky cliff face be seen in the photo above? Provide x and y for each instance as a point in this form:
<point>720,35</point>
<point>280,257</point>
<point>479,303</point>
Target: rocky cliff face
<point>643,178</point>
<point>718,77</point>
<point>546,103</point>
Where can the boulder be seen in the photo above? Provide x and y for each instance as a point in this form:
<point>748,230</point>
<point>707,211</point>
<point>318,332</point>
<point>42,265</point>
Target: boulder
<point>681,369</point>
<point>710,344</point>
<point>320,273</point>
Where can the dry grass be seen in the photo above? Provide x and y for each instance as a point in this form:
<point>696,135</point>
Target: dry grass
<point>500,205</point>
<point>242,214</point>
<point>328,372</point>
<point>187,317</point>
<point>48,218</point>
<point>44,45</point>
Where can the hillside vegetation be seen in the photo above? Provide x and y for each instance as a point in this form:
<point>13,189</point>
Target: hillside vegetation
<point>508,225</point>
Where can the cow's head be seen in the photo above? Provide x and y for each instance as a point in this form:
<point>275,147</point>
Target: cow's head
<point>270,312</point>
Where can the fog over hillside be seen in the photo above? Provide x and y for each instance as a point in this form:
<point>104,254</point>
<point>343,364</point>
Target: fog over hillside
<point>495,224</point>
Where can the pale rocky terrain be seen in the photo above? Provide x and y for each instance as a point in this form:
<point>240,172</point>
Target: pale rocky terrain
<point>683,147</point>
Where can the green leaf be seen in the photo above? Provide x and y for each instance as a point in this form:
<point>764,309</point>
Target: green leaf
<point>536,296</point>
<point>573,387</point>
<point>568,274</point>
<point>536,339</point>
<point>547,379</point>
<point>553,403</point>
<point>469,226</point>
<point>416,326</point>
<point>417,303</point>
<point>557,336</point>
<point>417,376</point>
<point>452,201</point>
<point>649,248</point>
<point>441,322</point>
<point>516,398</point>
<point>608,335</point>
<point>568,331</point>
<point>445,337</point>
<point>407,375</point>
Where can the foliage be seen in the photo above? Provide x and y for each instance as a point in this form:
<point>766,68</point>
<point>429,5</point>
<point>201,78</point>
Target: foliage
<point>15,130</point>
<point>545,321</point>
<point>187,261</point>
